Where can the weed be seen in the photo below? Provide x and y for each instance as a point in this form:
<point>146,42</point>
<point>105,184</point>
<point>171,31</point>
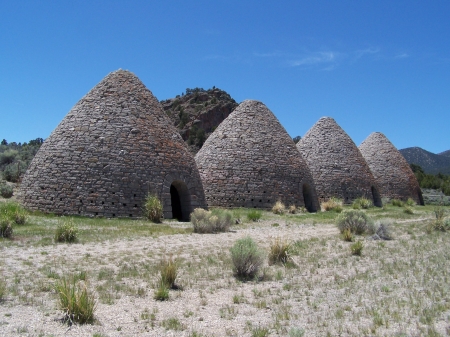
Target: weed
<point>408,210</point>
<point>247,258</point>
<point>355,220</point>
<point>153,209</point>
<point>173,324</point>
<point>279,208</point>
<point>347,235</point>
<point>410,202</point>
<point>168,269</point>
<point>75,300</point>
<point>6,229</point>
<point>397,202</point>
<point>66,231</point>
<point>279,251</point>
<point>439,212</point>
<point>333,204</point>
<point>356,248</point>
<point>162,292</point>
<point>363,203</point>
<point>254,215</point>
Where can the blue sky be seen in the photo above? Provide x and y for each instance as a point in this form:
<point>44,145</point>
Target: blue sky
<point>371,65</point>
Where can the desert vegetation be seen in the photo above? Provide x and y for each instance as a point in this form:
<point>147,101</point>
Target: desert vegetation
<point>286,274</point>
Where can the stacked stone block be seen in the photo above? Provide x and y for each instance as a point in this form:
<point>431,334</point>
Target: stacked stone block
<point>114,147</point>
<point>251,161</point>
<point>338,168</point>
<point>392,172</point>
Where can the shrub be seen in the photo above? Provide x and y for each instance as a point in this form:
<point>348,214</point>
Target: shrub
<point>14,212</point>
<point>333,204</point>
<point>410,202</point>
<point>279,208</point>
<point>6,230</point>
<point>356,248</point>
<point>254,215</point>
<point>75,300</point>
<point>153,209</point>
<point>408,210</point>
<point>66,231</point>
<point>363,203</point>
<point>6,191</point>
<point>384,231</point>
<point>356,221</point>
<point>168,269</point>
<point>397,202</point>
<point>247,258</point>
<point>292,209</point>
<point>347,235</point>
<point>209,222</point>
<point>279,251</point>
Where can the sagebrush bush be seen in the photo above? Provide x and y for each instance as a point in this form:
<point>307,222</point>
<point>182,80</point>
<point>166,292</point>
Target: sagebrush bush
<point>397,202</point>
<point>66,231</point>
<point>383,230</point>
<point>356,248</point>
<point>6,229</point>
<point>279,251</point>
<point>363,203</point>
<point>14,212</point>
<point>333,204</point>
<point>410,202</point>
<point>247,258</point>
<point>75,300</point>
<point>279,208</point>
<point>254,215</point>
<point>153,208</point>
<point>211,222</point>
<point>6,191</point>
<point>356,221</point>
<point>168,269</point>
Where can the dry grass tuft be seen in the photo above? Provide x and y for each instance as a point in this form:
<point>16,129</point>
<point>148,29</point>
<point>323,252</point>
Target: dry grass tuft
<point>279,251</point>
<point>279,208</point>
<point>333,204</point>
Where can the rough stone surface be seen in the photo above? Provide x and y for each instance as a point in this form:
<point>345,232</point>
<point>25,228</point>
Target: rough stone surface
<point>111,149</point>
<point>251,161</point>
<point>338,168</point>
<point>392,172</point>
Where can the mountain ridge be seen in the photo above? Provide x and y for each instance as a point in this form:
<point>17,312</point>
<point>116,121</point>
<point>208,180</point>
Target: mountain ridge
<point>430,162</point>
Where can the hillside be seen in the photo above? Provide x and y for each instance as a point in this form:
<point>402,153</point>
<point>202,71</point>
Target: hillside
<point>445,153</point>
<point>430,162</point>
<point>198,112</point>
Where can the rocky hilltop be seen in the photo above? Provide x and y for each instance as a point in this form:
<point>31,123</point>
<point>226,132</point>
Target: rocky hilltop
<point>430,162</point>
<point>197,113</point>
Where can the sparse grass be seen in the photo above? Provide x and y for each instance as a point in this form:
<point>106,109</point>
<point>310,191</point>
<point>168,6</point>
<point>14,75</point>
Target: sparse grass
<point>247,258</point>
<point>66,231</point>
<point>397,202</point>
<point>75,300</point>
<point>254,215</point>
<point>279,208</point>
<point>173,324</point>
<point>153,209</point>
<point>333,204</point>
<point>279,251</point>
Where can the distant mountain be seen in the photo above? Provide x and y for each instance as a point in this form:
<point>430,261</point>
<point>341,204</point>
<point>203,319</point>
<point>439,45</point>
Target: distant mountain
<point>430,162</point>
<point>198,112</point>
<point>445,153</point>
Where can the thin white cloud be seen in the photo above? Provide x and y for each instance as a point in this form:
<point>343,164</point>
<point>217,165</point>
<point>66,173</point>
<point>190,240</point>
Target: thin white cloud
<point>314,59</point>
<point>401,56</point>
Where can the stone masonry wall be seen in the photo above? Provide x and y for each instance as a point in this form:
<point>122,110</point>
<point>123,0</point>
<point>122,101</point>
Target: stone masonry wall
<point>337,166</point>
<point>251,161</point>
<point>112,148</point>
<point>392,172</point>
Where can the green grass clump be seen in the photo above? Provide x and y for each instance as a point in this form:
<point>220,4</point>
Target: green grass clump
<point>347,235</point>
<point>279,251</point>
<point>410,202</point>
<point>408,209</point>
<point>75,300</point>
<point>153,209</point>
<point>66,231</point>
<point>254,215</point>
<point>6,229</point>
<point>363,203</point>
<point>333,204</point>
<point>211,222</point>
<point>397,202</point>
<point>357,221</point>
<point>247,258</point>
<point>14,212</point>
<point>161,292</point>
<point>356,248</point>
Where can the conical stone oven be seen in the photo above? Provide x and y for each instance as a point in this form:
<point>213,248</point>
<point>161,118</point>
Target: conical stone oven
<point>338,168</point>
<point>251,161</point>
<point>114,147</point>
<point>392,172</point>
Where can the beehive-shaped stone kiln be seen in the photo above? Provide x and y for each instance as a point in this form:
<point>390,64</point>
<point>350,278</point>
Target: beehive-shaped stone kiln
<point>250,161</point>
<point>338,168</point>
<point>393,175</point>
<point>114,147</point>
